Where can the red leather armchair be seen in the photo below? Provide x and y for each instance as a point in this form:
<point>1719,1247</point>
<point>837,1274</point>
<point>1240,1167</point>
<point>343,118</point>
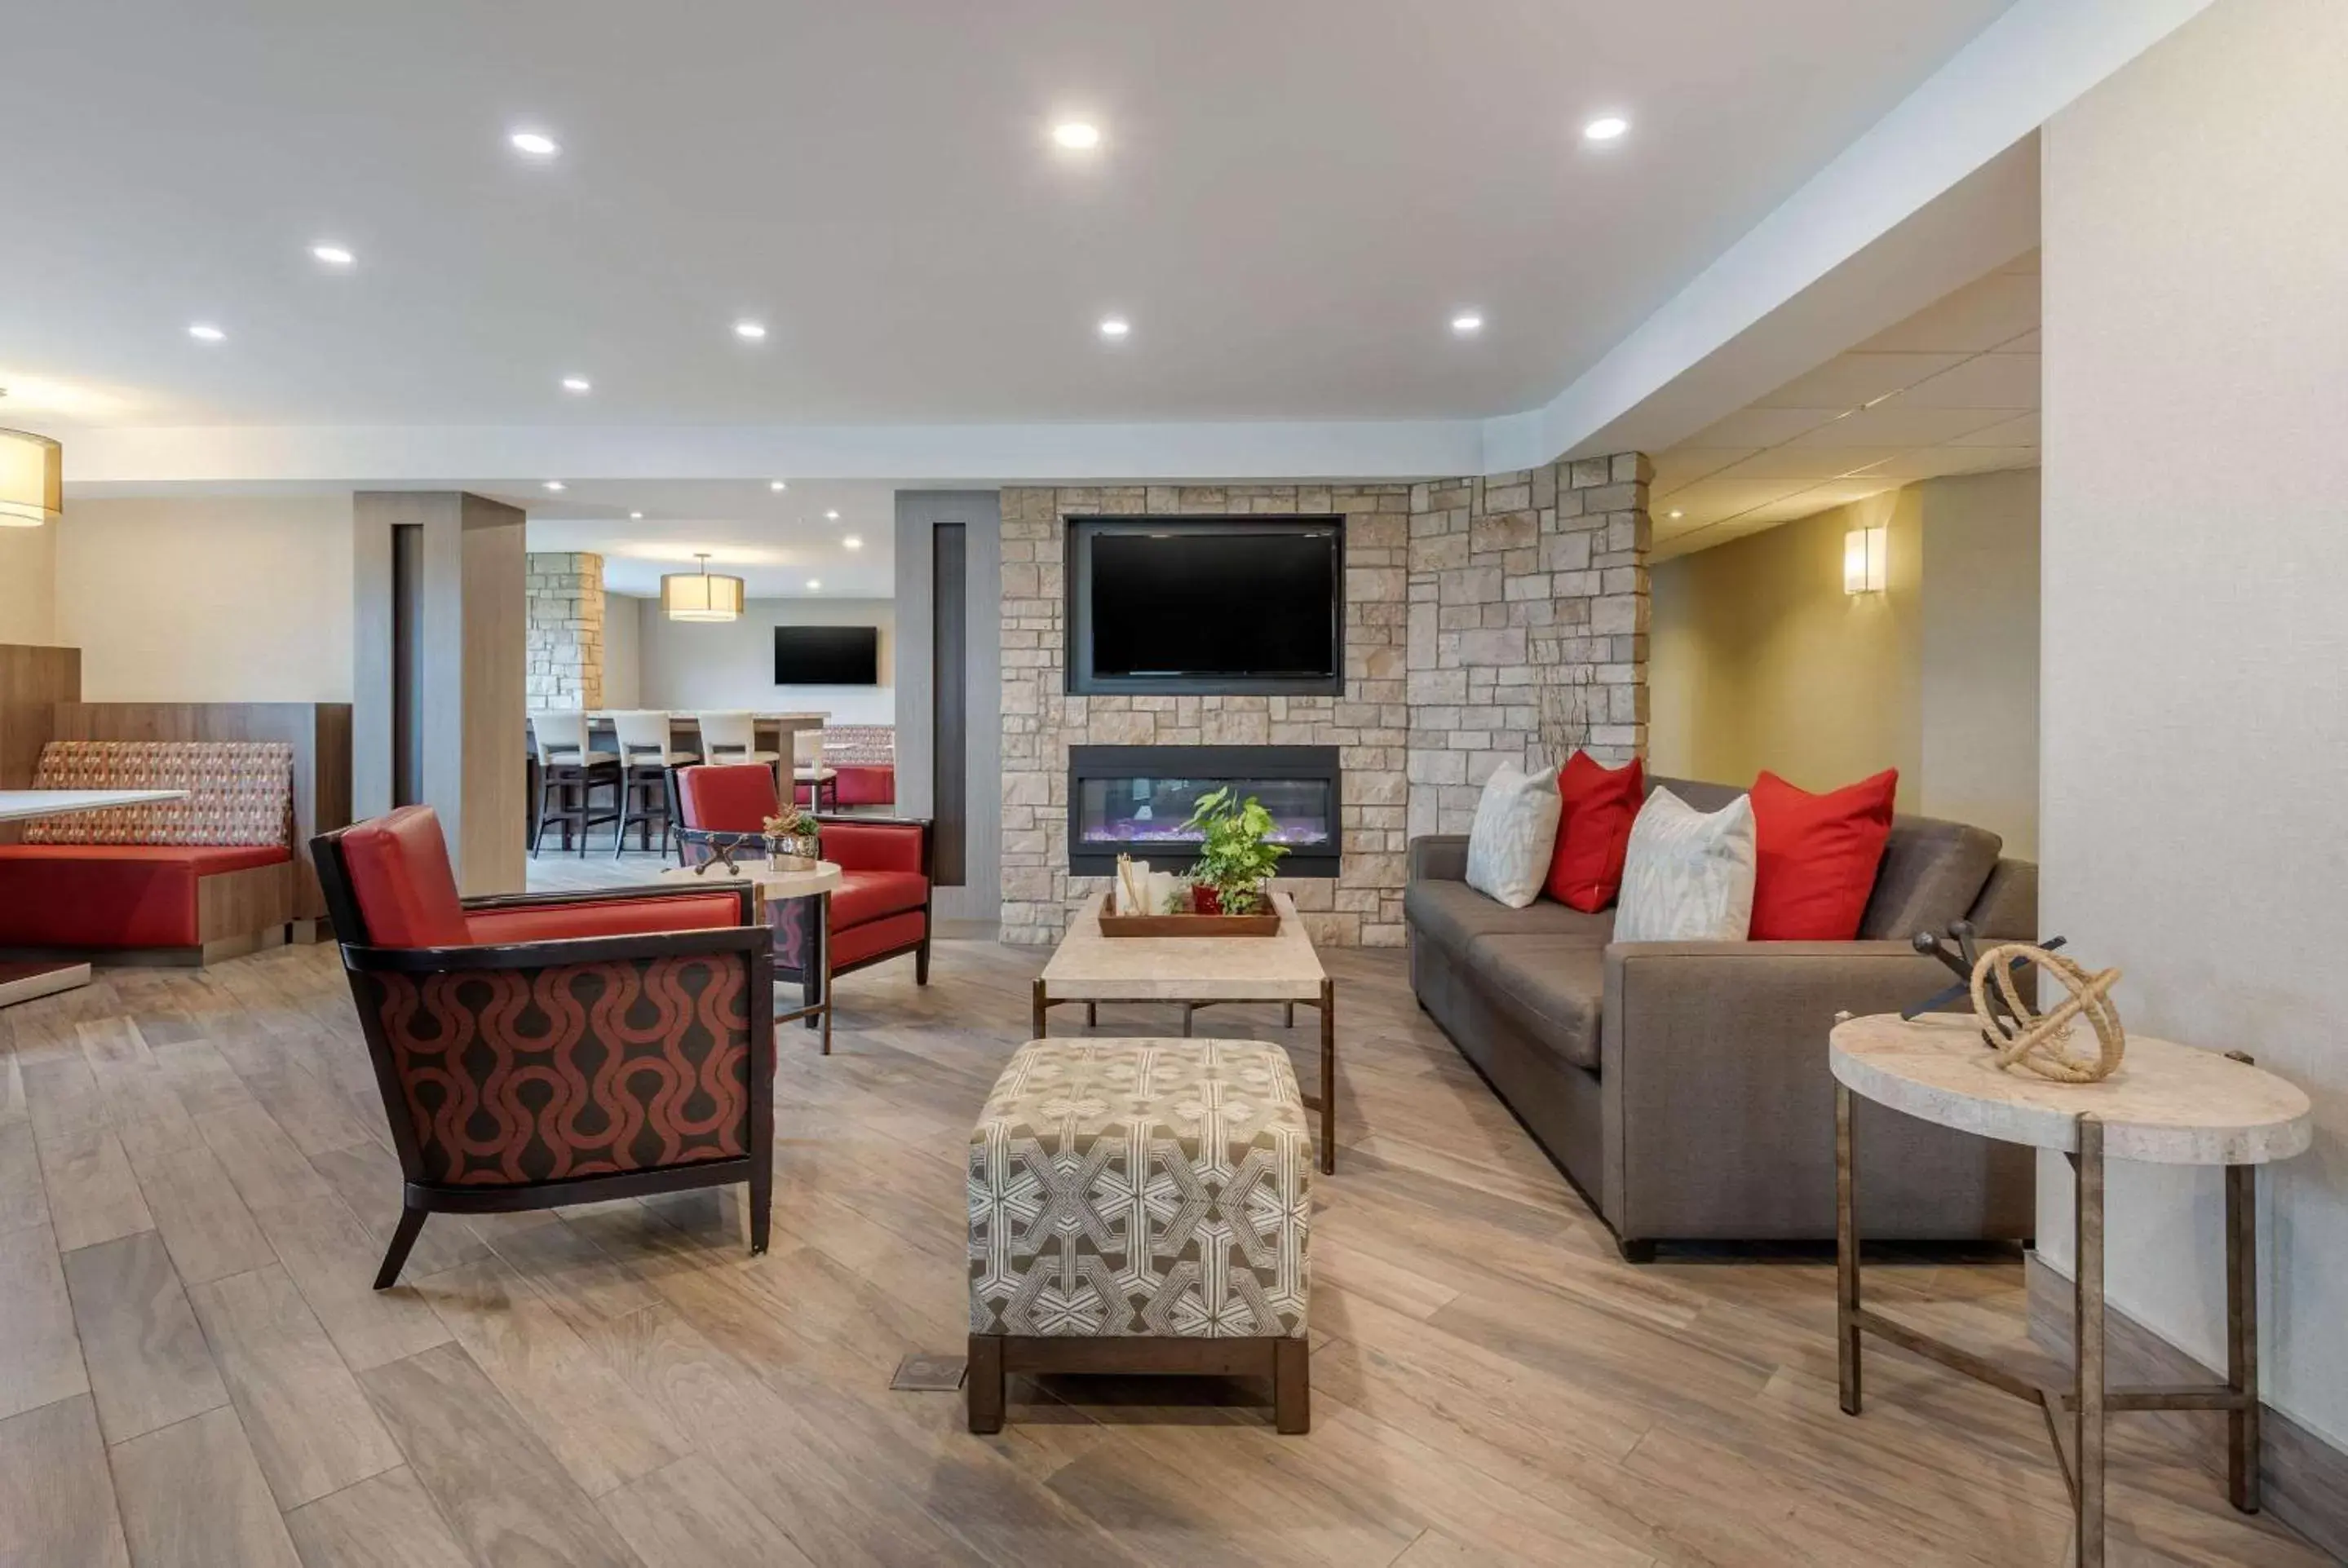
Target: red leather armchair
<point>537,1051</point>
<point>881,910</point>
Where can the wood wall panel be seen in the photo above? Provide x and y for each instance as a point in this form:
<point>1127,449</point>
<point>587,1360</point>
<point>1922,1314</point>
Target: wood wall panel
<point>33,681</point>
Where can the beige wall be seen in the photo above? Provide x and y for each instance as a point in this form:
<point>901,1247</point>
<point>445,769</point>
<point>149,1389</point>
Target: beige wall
<point>2195,730</point>
<point>623,649</point>
<point>28,584</point>
<point>208,599</point>
<point>1762,660</point>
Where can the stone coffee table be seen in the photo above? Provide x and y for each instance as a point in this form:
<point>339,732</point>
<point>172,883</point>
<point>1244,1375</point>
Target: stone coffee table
<point>1196,972</point>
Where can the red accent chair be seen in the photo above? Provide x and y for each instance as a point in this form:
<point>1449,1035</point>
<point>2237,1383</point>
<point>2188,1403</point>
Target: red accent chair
<point>540,1050</point>
<point>881,908</point>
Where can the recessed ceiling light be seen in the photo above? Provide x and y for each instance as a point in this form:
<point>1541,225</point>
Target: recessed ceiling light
<point>777,484</point>
<point>852,542</point>
<point>1678,514</point>
<point>831,516</point>
<point>577,383</point>
<point>1114,327</point>
<point>333,255</point>
<point>750,331</point>
<point>1077,135</point>
<point>204,332</point>
<point>813,585</point>
<point>1605,127</point>
<point>555,485</point>
<point>636,517</point>
<point>1467,323</point>
<point>536,143</point>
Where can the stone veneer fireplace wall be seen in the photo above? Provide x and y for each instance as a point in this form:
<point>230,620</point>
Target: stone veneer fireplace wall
<point>1465,601</point>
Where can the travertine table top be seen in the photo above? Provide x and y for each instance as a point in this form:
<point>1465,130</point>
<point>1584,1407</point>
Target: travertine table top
<point>823,877</point>
<point>2169,1104</point>
<point>1089,966</point>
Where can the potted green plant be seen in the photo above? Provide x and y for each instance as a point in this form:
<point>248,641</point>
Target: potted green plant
<point>1236,855</point>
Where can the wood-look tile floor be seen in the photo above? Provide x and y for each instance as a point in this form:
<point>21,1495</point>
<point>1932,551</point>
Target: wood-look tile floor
<point>195,1187</point>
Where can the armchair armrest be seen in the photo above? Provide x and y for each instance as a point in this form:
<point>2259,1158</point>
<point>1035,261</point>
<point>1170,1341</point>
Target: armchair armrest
<point>1719,1105</point>
<point>1439,857</point>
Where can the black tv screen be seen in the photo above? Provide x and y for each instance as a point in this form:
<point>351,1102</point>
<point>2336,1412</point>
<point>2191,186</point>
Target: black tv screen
<point>827,656</point>
<point>1227,605</point>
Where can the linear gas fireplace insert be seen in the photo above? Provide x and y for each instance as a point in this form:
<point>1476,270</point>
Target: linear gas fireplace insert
<point>1133,800</point>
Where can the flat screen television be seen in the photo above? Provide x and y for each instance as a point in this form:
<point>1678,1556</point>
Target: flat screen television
<point>827,656</point>
<point>1206,605</point>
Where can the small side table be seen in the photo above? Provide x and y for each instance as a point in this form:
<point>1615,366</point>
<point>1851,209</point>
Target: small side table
<point>2169,1104</point>
<point>768,888</point>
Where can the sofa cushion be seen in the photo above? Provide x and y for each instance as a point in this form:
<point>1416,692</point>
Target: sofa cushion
<point>1816,856</point>
<point>2007,908</point>
<point>397,865</point>
<point>572,919</point>
<point>112,896</point>
<point>863,896</point>
<point>1932,873</point>
<point>1552,985</point>
<point>1452,915</point>
<point>865,783</point>
<point>1688,874</point>
<point>1515,830</point>
<point>1593,831</point>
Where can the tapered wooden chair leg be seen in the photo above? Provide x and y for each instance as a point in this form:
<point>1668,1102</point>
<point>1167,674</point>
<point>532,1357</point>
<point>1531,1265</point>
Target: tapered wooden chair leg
<point>984,1383</point>
<point>411,1224</point>
<point>1292,1387</point>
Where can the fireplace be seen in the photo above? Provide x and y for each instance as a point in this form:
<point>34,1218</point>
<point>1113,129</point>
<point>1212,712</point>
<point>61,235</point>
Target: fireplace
<point>1133,800</point>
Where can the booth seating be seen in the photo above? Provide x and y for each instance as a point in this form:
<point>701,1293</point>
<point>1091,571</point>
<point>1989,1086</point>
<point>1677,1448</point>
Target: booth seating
<point>543,1050</point>
<point>200,878</point>
<point>881,908</point>
<point>863,759</point>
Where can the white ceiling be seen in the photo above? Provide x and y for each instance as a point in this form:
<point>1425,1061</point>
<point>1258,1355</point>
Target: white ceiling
<point>1953,389</point>
<point>1293,201</point>
<point>774,542</point>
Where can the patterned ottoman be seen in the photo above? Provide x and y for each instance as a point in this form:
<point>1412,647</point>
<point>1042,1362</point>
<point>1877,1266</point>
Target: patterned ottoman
<point>1141,1207</point>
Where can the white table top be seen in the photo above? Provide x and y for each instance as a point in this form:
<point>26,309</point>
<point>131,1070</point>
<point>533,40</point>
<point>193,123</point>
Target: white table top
<point>687,716</point>
<point>2169,1104</point>
<point>26,804</point>
<point>1089,966</point>
<point>823,877</point>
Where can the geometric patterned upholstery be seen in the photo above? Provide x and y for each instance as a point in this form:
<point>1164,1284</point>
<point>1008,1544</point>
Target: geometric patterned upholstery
<point>1156,1187</point>
<point>240,792</point>
<point>853,743</point>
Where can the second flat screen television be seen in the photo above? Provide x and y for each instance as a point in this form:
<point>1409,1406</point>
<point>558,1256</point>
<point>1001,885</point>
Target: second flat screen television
<point>826,655</point>
<point>1206,605</point>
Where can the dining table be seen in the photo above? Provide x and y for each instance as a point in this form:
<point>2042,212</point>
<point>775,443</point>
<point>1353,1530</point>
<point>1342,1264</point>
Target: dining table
<point>22,979</point>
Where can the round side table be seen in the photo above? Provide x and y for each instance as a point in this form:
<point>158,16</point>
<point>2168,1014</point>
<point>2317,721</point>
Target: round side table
<point>2169,1104</point>
<point>810,884</point>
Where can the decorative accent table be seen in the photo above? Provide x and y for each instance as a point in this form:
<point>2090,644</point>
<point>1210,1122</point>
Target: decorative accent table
<point>2168,1104</point>
<point>1200,971</point>
<point>22,981</point>
<point>768,888</point>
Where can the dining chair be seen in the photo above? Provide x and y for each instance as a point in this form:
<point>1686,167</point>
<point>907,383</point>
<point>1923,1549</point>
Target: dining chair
<point>569,774</point>
<point>647,788</point>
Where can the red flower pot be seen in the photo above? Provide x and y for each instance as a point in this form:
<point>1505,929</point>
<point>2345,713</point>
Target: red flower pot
<point>1205,900</point>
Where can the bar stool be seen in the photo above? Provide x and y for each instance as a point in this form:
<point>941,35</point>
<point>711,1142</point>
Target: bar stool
<point>733,738</point>
<point>568,776</point>
<point>647,794</point>
<point>808,770</point>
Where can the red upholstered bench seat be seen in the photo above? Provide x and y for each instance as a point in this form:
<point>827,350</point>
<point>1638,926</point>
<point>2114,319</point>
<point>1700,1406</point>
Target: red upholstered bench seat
<point>113,894</point>
<point>864,784</point>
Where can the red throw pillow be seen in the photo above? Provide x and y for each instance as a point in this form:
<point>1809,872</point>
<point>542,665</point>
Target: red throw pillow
<point>1816,856</point>
<point>1585,870</point>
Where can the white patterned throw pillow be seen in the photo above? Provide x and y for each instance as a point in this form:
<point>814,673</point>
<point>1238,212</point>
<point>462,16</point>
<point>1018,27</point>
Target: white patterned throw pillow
<point>1509,847</point>
<point>1688,876</point>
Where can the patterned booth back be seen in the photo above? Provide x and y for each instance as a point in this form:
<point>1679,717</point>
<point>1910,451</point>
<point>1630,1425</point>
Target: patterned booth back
<point>238,791</point>
<point>853,745</point>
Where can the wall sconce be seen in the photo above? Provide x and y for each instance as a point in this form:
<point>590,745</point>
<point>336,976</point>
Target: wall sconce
<point>1867,560</point>
<point>32,480</point>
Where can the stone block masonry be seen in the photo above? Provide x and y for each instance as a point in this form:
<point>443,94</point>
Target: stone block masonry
<point>565,646</point>
<point>1473,608</point>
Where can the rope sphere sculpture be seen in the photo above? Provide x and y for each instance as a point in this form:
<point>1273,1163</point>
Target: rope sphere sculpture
<point>2037,1040</point>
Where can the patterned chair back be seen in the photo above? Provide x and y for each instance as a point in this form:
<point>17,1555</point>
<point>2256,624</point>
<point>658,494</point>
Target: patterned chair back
<point>238,791</point>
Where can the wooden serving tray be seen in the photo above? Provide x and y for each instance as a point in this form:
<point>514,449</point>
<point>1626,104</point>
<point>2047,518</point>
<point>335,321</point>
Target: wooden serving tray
<point>1264,925</point>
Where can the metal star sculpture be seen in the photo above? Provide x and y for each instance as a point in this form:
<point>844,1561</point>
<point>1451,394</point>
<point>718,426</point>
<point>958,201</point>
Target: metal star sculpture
<point>1960,951</point>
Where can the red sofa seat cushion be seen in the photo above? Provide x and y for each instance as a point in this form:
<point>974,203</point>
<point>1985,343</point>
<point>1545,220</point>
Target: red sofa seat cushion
<point>398,869</point>
<point>1585,871</point>
<point>863,896</point>
<point>889,934</point>
<point>1815,856</point>
<point>604,917</point>
<point>112,894</point>
<point>735,797</point>
<point>865,783</point>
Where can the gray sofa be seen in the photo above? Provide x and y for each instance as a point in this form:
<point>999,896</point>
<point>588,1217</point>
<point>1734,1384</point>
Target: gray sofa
<point>1683,1086</point>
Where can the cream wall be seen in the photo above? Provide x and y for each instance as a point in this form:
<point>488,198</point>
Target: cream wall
<point>1761,661</point>
<point>208,599</point>
<point>623,649</point>
<point>28,584</point>
<point>2195,734</point>
<point>731,664</point>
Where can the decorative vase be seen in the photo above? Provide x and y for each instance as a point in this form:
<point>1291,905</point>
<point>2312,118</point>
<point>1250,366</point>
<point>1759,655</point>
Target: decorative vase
<point>782,846</point>
<point>1205,900</point>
